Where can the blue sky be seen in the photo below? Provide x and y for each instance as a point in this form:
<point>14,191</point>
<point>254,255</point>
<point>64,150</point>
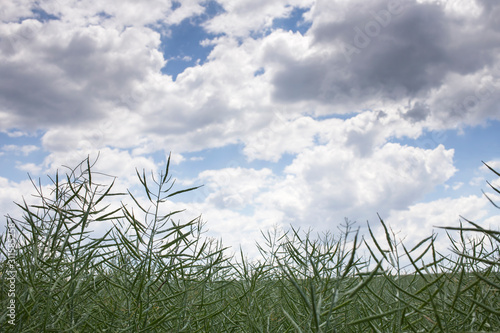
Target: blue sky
<point>290,113</point>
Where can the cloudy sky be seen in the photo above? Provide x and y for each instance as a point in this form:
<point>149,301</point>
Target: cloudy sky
<point>289,112</point>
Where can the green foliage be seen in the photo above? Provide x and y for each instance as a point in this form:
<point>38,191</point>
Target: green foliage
<point>149,273</point>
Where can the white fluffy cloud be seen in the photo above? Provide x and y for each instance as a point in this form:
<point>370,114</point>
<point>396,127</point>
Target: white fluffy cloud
<point>121,13</point>
<point>24,150</point>
<point>11,193</point>
<point>111,162</point>
<point>244,17</point>
<point>92,81</point>
<point>330,179</point>
<point>421,220</point>
<point>321,194</point>
<point>234,188</point>
<point>14,10</point>
<point>326,183</point>
<point>87,75</point>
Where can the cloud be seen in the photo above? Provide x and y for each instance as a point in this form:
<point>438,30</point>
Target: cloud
<point>417,112</point>
<point>30,168</point>
<point>89,77</point>
<point>362,50</point>
<point>11,11</point>
<point>93,59</point>
<point>244,17</point>
<point>12,193</point>
<point>113,162</point>
<point>121,13</point>
<point>421,64</point>
<point>416,221</point>
<point>469,99</point>
<point>24,150</point>
<point>283,137</point>
<point>236,230</point>
<point>362,133</point>
<point>420,220</point>
<point>327,182</point>
<point>71,74</point>
<point>494,164</point>
<point>393,59</point>
<point>234,188</point>
<point>330,179</point>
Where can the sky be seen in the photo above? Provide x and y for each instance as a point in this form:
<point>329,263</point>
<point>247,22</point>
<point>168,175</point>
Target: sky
<point>290,113</point>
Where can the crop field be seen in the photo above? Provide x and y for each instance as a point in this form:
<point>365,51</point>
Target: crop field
<point>151,273</point>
